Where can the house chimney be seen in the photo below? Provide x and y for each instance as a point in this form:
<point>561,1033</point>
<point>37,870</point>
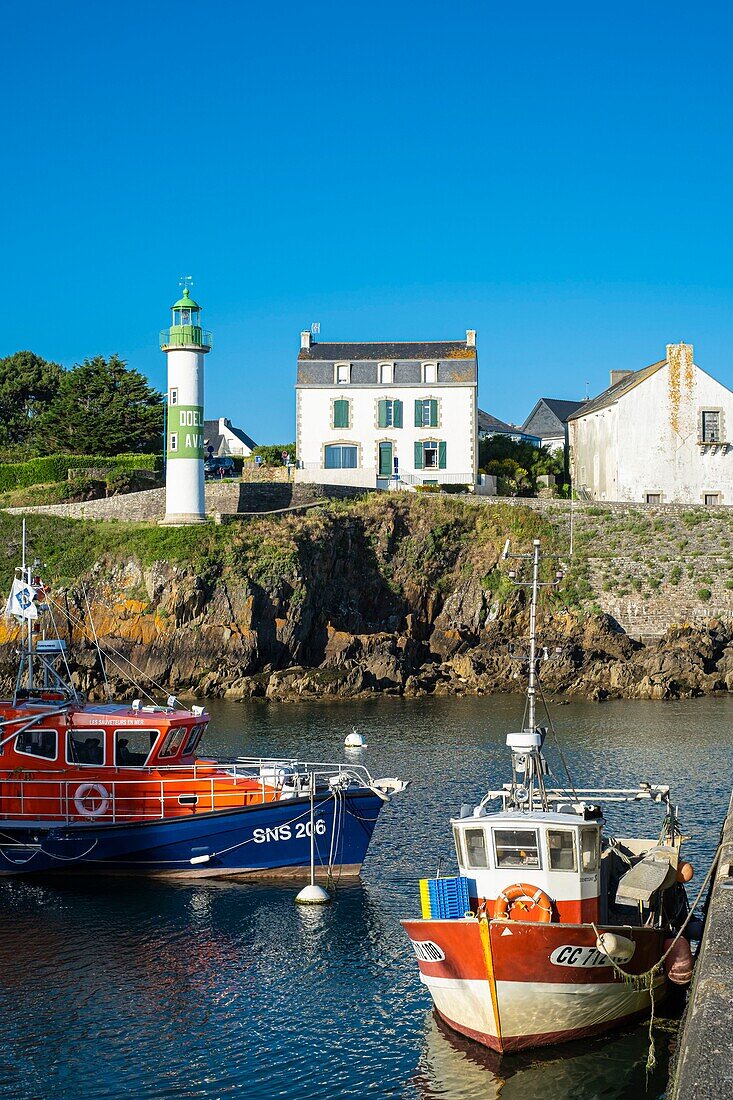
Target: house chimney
<point>617,375</point>
<point>470,337</point>
<point>305,339</point>
<point>682,354</point>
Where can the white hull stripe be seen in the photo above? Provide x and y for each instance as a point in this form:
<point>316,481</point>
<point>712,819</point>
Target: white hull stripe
<point>535,1008</point>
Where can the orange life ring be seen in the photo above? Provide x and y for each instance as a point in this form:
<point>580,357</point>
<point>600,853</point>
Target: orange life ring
<point>530,903</point>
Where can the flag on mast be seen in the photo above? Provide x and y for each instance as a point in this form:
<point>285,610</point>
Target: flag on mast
<point>21,601</point>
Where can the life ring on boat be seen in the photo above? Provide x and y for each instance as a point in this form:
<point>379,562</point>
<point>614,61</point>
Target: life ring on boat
<point>82,793</point>
<point>526,899</point>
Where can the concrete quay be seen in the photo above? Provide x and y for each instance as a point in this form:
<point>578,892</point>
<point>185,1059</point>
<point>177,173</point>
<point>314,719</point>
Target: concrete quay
<point>703,1065</point>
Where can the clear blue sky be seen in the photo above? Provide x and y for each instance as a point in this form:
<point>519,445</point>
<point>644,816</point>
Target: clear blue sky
<point>556,176</point>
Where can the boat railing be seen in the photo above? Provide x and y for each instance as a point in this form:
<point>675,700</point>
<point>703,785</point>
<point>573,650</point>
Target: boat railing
<point>49,795</point>
<point>579,796</point>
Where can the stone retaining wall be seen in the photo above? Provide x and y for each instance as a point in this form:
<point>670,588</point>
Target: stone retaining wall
<point>703,1066</point>
<point>222,498</point>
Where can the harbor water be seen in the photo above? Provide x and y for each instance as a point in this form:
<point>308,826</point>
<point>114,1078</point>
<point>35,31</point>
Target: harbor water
<point>125,987</point>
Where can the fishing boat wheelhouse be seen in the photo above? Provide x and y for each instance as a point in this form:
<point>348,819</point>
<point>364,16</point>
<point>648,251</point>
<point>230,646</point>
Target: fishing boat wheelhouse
<point>87,786</point>
<point>527,945</point>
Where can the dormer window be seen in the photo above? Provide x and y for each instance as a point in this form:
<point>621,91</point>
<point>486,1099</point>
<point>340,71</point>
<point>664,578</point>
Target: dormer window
<point>430,372</point>
<point>385,374</point>
<point>342,372</point>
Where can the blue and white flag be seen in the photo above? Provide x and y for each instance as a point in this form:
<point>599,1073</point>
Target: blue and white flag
<point>21,601</point>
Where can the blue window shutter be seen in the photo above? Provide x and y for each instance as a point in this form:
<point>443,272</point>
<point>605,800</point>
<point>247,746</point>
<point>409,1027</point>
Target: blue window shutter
<point>382,414</point>
<point>434,413</point>
<point>418,455</point>
<point>442,455</point>
<point>397,413</point>
<point>418,413</point>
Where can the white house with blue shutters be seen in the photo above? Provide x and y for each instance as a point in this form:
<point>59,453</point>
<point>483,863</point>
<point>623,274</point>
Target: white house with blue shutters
<point>387,415</point>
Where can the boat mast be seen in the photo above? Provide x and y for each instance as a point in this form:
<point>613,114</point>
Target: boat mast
<point>532,684</point>
<point>28,625</point>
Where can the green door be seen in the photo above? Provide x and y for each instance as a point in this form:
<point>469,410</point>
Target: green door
<point>385,460</point>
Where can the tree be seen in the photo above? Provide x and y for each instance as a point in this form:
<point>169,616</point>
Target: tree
<point>28,384</point>
<point>103,407</point>
<point>519,463</point>
<point>272,453</point>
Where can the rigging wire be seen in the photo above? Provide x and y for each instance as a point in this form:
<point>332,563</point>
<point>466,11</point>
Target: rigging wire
<point>96,642</point>
<point>109,649</point>
<point>558,744</point>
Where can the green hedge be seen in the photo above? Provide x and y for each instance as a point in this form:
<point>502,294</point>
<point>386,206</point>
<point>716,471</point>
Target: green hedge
<point>38,471</point>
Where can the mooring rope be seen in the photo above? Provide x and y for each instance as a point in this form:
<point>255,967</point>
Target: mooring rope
<point>646,979</point>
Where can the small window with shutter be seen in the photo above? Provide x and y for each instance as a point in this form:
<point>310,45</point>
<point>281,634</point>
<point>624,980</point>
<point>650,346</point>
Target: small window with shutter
<point>341,413</point>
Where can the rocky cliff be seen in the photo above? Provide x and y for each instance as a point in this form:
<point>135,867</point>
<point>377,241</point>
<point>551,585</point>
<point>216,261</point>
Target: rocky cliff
<point>396,594</point>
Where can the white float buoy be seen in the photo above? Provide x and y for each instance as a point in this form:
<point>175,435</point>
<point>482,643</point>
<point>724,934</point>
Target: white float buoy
<point>313,894</point>
<point>355,740</point>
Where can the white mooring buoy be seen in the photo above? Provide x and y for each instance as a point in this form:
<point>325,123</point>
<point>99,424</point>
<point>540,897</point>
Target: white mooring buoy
<point>355,740</point>
<point>312,894</point>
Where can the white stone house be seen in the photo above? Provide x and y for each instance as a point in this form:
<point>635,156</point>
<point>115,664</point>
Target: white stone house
<point>222,438</point>
<point>660,435</point>
<point>387,415</point>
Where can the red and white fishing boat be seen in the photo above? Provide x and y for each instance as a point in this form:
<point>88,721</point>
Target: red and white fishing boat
<point>518,950</point>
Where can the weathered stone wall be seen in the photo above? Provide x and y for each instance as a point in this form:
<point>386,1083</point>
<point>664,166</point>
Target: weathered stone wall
<point>648,566</point>
<point>703,1067</point>
<point>223,498</point>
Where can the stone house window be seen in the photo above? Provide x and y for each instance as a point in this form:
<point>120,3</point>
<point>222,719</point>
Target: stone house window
<point>341,373</point>
<point>426,412</point>
<point>653,498</point>
<point>341,413</point>
<point>710,426</point>
<point>340,456</point>
<point>430,372</point>
<point>385,374</point>
<point>711,499</point>
<point>431,454</point>
<point>389,414</point>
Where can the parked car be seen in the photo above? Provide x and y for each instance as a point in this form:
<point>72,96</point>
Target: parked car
<point>219,467</point>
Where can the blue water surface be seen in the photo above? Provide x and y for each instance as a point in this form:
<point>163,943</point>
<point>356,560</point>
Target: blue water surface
<point>124,987</point>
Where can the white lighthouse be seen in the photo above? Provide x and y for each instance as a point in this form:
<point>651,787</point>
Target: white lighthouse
<point>185,344</point>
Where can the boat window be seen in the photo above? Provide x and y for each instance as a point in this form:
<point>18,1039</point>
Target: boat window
<point>561,847</point>
<point>459,853</point>
<point>132,747</point>
<point>516,848</point>
<point>476,855</point>
<point>37,742</point>
<point>173,741</point>
<point>85,747</point>
<point>589,845</point>
<point>193,739</point>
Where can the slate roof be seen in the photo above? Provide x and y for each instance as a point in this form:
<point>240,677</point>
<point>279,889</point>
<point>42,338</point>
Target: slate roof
<point>419,349</point>
<point>491,424</point>
<point>612,394</point>
<point>488,423</point>
<point>557,410</point>
<point>213,437</point>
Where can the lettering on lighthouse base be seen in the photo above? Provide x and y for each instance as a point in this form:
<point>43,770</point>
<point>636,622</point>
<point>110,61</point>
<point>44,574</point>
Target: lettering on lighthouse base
<point>185,432</point>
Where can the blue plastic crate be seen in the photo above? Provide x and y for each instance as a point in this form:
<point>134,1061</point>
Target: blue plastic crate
<point>449,897</point>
